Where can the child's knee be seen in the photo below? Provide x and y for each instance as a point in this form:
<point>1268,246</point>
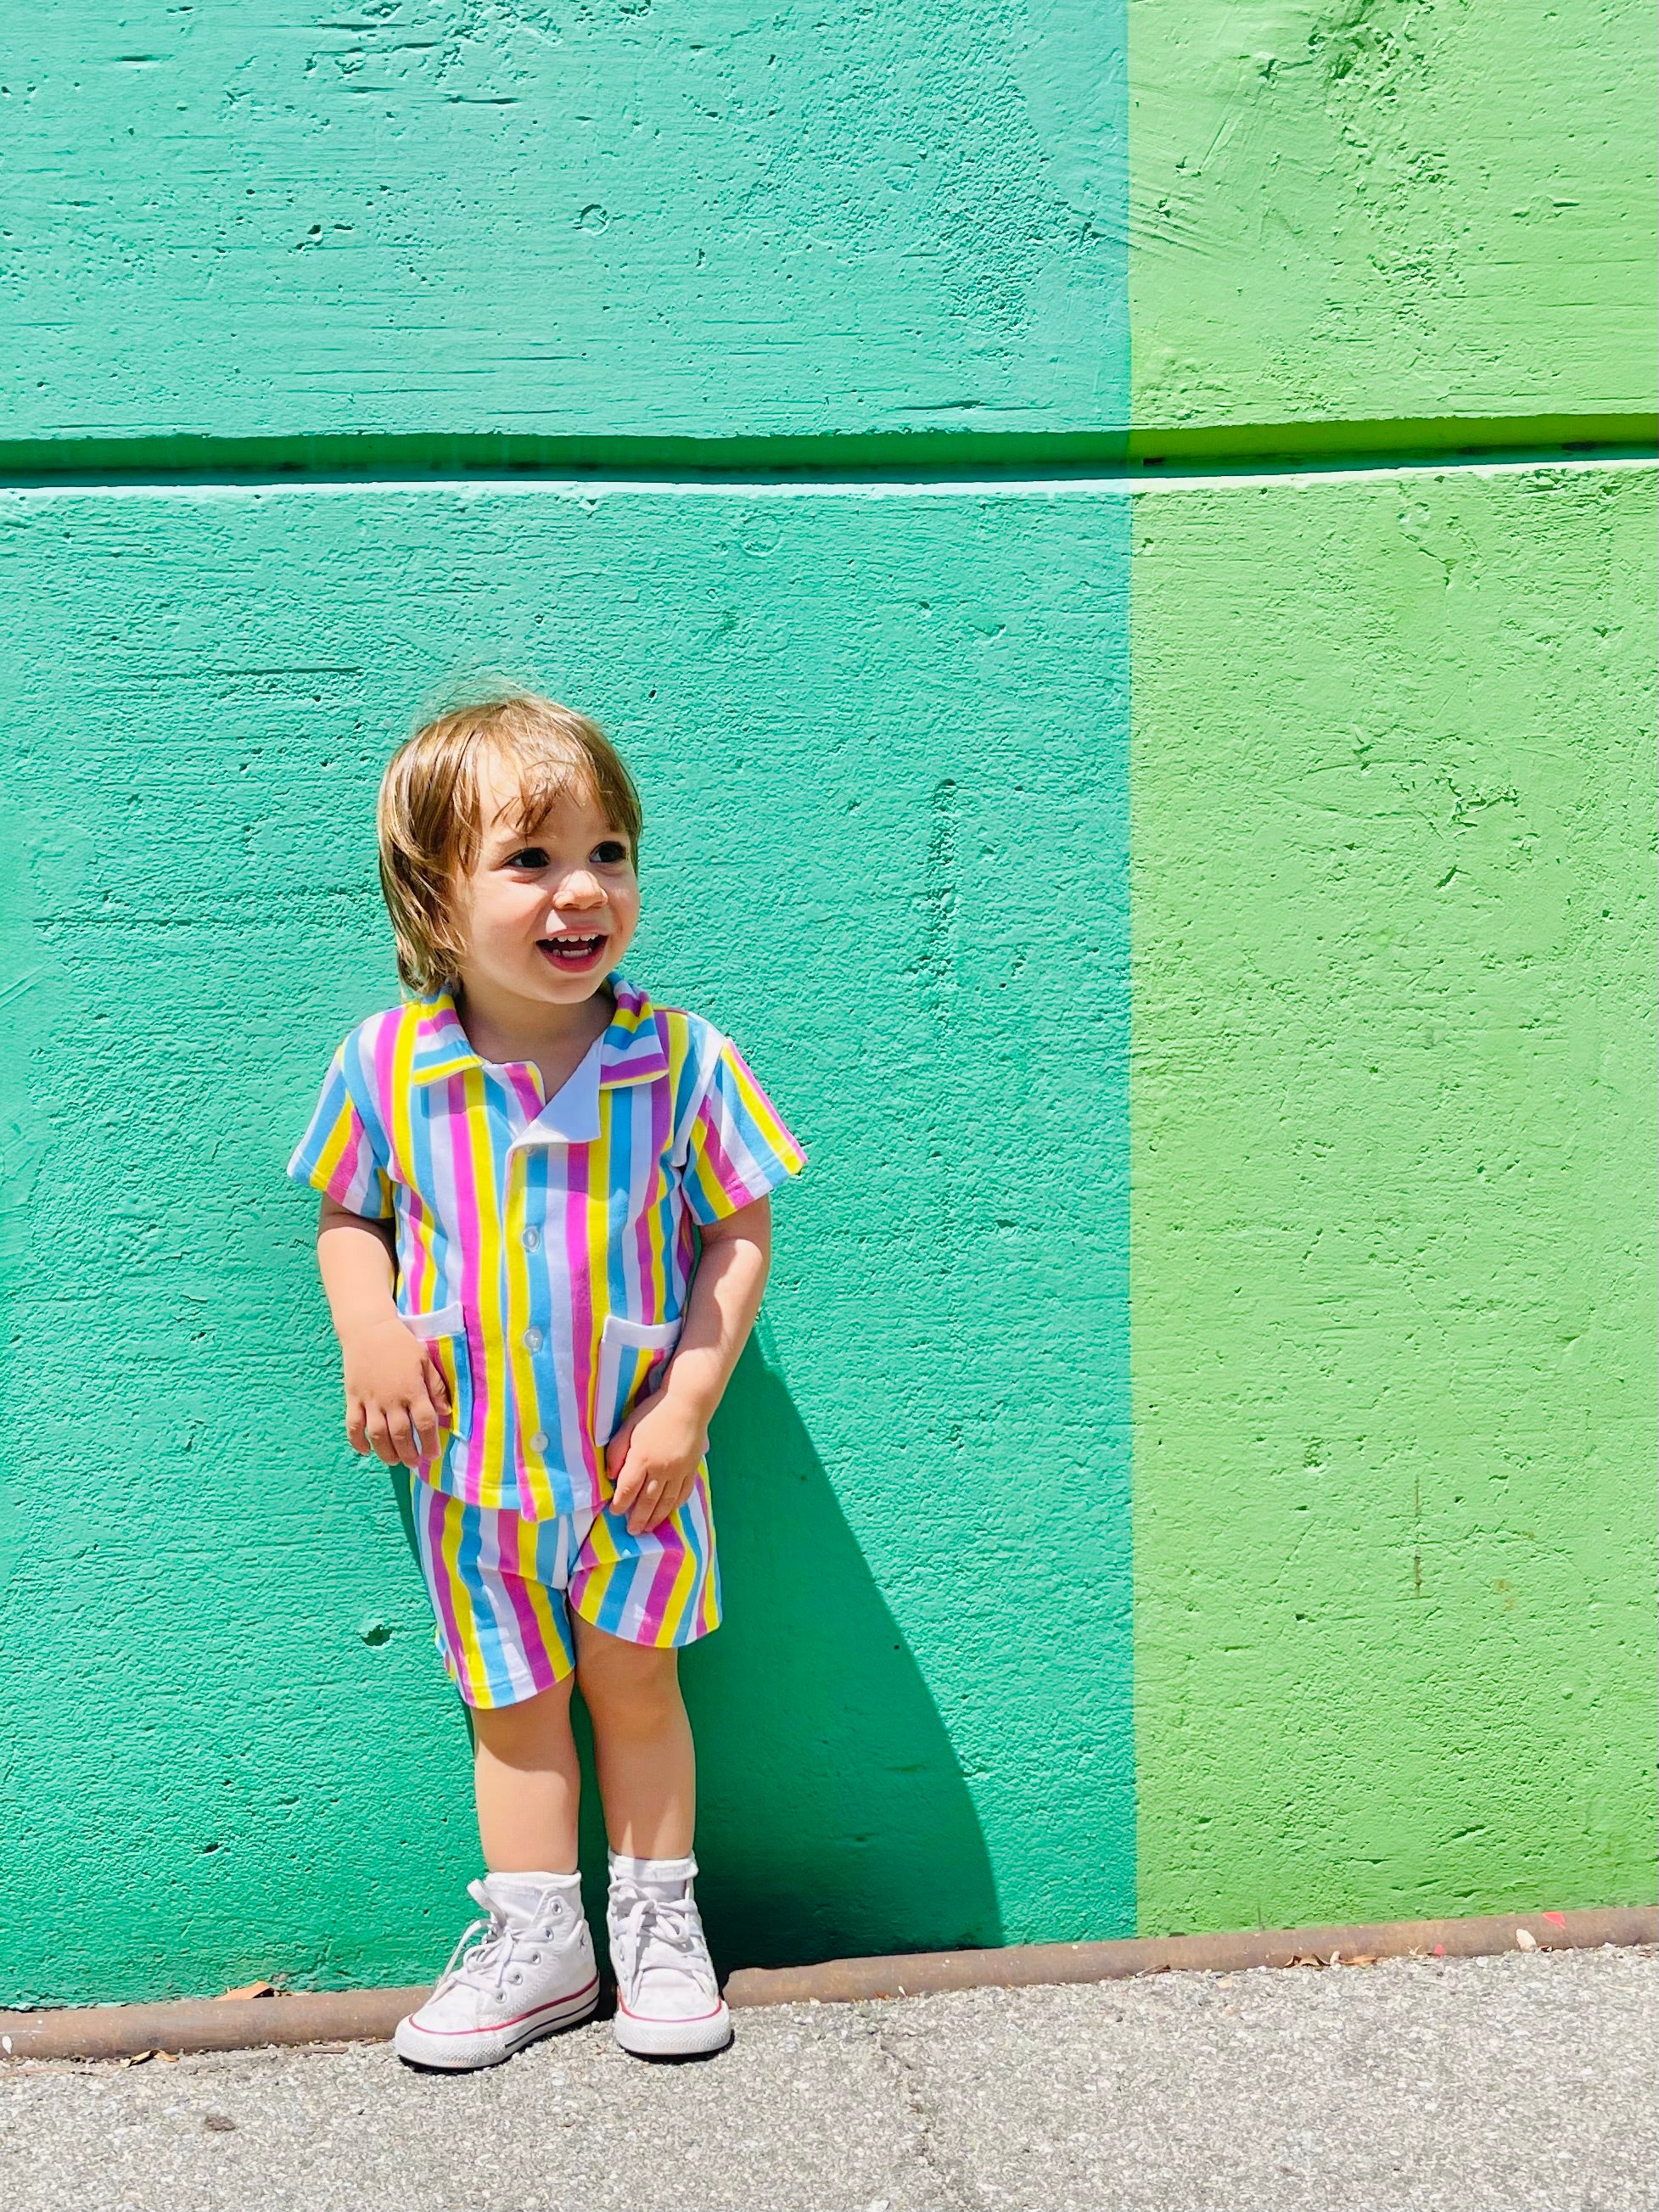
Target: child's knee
<point>633,1685</point>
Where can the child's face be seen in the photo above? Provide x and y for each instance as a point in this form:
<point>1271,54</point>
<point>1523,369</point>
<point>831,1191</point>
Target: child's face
<point>549,910</point>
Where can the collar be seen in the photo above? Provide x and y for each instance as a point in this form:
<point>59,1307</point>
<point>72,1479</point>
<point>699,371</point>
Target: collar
<point>631,1050</point>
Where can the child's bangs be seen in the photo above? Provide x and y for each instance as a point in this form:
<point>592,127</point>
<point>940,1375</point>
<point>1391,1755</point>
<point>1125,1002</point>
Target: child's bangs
<point>554,771</point>
<point>548,778</point>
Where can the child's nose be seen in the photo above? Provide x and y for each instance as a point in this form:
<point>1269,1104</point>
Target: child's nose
<point>578,890</point>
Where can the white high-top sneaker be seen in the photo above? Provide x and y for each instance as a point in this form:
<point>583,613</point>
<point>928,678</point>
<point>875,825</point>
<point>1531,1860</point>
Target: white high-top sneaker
<point>668,2001</point>
<point>524,1970</point>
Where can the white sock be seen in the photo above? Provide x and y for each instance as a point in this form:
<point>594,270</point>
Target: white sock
<point>523,1893</point>
<point>664,1877</point>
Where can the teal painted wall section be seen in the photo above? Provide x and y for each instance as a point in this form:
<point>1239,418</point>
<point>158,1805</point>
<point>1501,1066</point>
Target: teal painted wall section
<point>691,219</point>
<point>884,739</point>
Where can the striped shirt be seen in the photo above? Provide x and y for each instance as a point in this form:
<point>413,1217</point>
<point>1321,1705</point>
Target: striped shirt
<point>545,1245</point>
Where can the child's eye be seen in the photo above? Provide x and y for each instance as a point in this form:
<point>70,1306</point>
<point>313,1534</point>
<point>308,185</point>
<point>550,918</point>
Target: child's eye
<point>532,856</point>
<point>611,854</point>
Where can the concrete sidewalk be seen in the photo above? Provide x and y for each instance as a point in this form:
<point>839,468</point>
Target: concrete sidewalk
<point>1478,2085</point>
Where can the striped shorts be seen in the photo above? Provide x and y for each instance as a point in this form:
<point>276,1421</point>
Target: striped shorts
<point>503,1589</point>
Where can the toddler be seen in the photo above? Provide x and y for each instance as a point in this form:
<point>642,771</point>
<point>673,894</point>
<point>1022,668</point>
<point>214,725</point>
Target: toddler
<point>545,1229</point>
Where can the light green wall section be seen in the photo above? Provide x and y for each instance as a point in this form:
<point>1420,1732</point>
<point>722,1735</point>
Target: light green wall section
<point>883,737</point>
<point>695,218</point>
<point>1392,1259</point>
<point>1391,210</point>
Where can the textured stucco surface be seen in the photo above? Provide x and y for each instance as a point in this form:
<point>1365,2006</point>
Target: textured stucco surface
<point>868,726</point>
<point>1392,1257</point>
<point>1381,210</point>
<point>698,218</point>
<point>439,218</point>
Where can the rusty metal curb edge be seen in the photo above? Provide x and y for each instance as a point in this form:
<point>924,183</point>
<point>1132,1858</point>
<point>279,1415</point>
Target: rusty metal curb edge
<point>370,2016</point>
<point>1030,1965</point>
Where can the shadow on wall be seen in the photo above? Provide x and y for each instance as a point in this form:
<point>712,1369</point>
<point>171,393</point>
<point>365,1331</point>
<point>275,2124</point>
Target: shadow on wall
<point>833,1820</point>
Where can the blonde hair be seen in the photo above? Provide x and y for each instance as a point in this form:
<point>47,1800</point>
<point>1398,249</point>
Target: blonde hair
<point>430,810</point>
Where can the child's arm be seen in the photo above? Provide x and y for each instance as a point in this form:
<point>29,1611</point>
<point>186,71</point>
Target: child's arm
<point>396,1401</point>
<point>654,1456</point>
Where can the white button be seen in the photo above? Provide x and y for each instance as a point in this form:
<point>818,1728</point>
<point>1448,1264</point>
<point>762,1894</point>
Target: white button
<point>532,1238</point>
<point>532,1340</point>
<point>539,1442</point>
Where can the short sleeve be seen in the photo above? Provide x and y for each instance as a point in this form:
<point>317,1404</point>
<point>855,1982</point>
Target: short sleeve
<point>739,1149</point>
<point>339,1154</point>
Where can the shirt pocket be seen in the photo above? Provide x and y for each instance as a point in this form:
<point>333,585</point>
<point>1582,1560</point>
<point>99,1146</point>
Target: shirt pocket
<point>632,1356</point>
<point>443,1332</point>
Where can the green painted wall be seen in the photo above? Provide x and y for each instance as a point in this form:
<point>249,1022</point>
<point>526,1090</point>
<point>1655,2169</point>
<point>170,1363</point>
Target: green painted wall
<point>916,1727</point>
<point>1269,1183</point>
<point>1393,1259</point>
<point>1360,212</point>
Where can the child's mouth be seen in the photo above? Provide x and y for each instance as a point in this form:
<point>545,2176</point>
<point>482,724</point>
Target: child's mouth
<point>570,954</point>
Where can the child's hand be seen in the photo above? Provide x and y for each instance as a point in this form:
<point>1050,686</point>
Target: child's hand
<point>652,1459</point>
<point>395,1400</point>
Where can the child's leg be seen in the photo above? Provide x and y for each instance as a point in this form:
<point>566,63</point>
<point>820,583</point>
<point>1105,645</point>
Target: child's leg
<point>527,1782</point>
<point>641,1744</point>
<point>668,1998</point>
<point>497,1583</point>
<point>527,1967</point>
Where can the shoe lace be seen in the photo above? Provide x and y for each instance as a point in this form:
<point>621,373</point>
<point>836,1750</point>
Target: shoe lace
<point>488,1951</point>
<point>662,1931</point>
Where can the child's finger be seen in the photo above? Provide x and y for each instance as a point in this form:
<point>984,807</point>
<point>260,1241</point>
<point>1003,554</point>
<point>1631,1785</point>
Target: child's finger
<point>626,1489</point>
<point>356,1425</point>
<point>638,1483</point>
<point>673,1497</point>
<point>438,1390</point>
<point>379,1430</point>
<point>648,1507</point>
<point>423,1419</point>
<point>615,1462</point>
<point>405,1443</point>
<point>615,1452</point>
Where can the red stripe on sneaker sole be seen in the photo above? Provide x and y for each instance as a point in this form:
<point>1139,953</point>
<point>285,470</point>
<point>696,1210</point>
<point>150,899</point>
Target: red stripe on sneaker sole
<point>583,1997</point>
<point>682,2019</point>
